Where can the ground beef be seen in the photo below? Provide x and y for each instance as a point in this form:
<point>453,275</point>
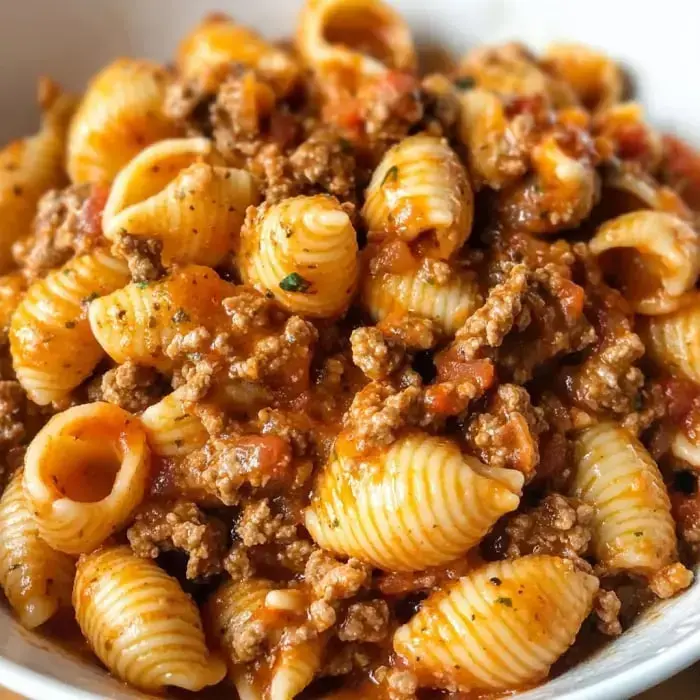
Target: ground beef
<point>489,325</point>
<point>248,311</point>
<point>187,105</point>
<point>400,684</point>
<point>270,166</point>
<point>413,332</point>
<point>238,565</point>
<point>670,580</point>
<point>506,434</point>
<point>133,387</point>
<point>66,223</point>
<point>441,106</point>
<point>379,412</point>
<point>376,356</point>
<point>451,397</point>
<point>653,407</point>
<point>559,526</point>
<point>365,622</point>
<point>13,413</point>
<point>295,555</point>
<point>258,524</point>
<point>286,425</point>
<point>180,525</point>
<point>333,580</point>
<point>215,473</point>
<point>142,255</point>
<point>346,659</point>
<point>325,162</point>
<point>606,608</point>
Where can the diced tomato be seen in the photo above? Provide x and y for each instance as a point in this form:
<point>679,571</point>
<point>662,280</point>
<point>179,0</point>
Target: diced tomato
<point>90,218</point>
<point>452,369</point>
<point>267,455</point>
<point>682,396</point>
<point>682,169</point>
<point>572,298</point>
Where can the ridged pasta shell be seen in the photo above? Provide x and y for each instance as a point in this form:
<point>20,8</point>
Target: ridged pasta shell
<point>171,430</point>
<point>685,448</point>
<point>348,40</point>
<point>418,503</point>
<point>449,304</point>
<point>596,79</point>
<point>52,346</point>
<point>500,627</point>
<point>31,166</point>
<point>193,208</point>
<point>139,321</point>
<point>632,527</point>
<point>304,252</point>
<point>206,53</point>
<point>120,114</point>
<point>141,624</point>
<point>673,340</point>
<point>420,192</point>
<point>36,579</point>
<point>654,256</point>
<point>85,473</point>
<point>12,289</point>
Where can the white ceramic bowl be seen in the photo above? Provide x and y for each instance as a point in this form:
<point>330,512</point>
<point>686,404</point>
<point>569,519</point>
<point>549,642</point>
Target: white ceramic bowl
<point>71,39</point>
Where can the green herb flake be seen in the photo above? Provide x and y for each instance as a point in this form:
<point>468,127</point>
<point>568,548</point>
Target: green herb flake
<point>505,601</point>
<point>345,145</point>
<point>181,316</point>
<point>90,297</point>
<point>335,523</point>
<point>392,175</point>
<point>142,285</point>
<point>464,82</point>
<point>295,283</point>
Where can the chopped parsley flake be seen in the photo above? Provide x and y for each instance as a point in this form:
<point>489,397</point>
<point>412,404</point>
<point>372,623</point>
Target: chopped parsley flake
<point>392,175</point>
<point>505,601</point>
<point>465,82</point>
<point>295,283</point>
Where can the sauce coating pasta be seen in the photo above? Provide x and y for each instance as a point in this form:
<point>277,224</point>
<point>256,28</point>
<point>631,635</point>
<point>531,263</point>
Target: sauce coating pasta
<point>326,376</point>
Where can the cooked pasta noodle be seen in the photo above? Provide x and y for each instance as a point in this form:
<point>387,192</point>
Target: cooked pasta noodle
<point>139,321</point>
<point>31,166</point>
<point>418,503</point>
<point>193,208</point>
<point>632,527</point>
<point>121,113</point>
<point>303,251</point>
<point>348,41</point>
<point>207,53</point>
<point>673,340</point>
<point>171,430</point>
<point>12,289</point>
<point>51,322</point>
<point>597,80</point>
<point>654,257</point>
<point>141,624</point>
<point>36,579</point>
<point>685,447</point>
<point>85,473</point>
<point>500,627</point>
<point>448,303</point>
<point>420,193</point>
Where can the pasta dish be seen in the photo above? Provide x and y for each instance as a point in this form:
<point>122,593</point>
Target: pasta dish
<point>323,375</point>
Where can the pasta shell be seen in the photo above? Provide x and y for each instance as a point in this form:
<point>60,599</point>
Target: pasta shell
<point>171,430</point>
<point>685,448</point>
<point>166,193</point>
<point>449,303</point>
<point>596,79</point>
<point>349,40</point>
<point>120,114</point>
<point>633,528</point>
<point>12,289</point>
<point>36,579</point>
<point>86,471</point>
<point>30,167</point>
<point>654,257</point>
<point>673,340</point>
<point>206,54</point>
<point>141,624</point>
<point>50,325</point>
<point>139,321</point>
<point>420,192</point>
<point>419,503</point>
<point>500,627</point>
<point>304,252</point>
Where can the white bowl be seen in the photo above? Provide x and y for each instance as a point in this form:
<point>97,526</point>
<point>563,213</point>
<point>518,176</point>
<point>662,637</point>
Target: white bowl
<point>71,39</point>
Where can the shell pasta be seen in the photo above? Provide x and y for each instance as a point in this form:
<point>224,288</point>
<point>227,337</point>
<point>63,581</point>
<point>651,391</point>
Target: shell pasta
<point>193,208</point>
<point>86,472</point>
<point>633,527</point>
<point>407,513</point>
<point>36,579</point>
<point>501,626</point>
<point>329,372</point>
<point>141,624</point>
<point>51,321</point>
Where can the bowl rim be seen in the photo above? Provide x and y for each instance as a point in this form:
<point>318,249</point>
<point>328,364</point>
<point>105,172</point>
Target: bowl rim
<point>619,686</point>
